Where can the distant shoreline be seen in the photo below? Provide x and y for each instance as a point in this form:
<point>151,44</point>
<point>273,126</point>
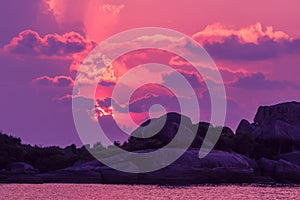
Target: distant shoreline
<point>265,152</point>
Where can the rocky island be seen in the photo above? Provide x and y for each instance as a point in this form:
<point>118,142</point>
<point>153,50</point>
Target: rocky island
<point>266,150</point>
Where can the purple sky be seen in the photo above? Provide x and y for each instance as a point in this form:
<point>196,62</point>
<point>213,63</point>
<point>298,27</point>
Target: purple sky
<point>256,47</point>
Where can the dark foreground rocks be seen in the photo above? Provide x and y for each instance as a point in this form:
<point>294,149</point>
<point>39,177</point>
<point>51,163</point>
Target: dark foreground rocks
<point>216,167</point>
<point>265,151</point>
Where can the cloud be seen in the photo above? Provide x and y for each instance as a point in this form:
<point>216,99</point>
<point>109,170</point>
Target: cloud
<point>143,104</point>
<point>233,49</point>
<point>250,43</point>
<point>64,99</point>
<point>29,42</point>
<point>192,77</point>
<point>216,33</point>
<point>140,103</point>
<point>112,9</point>
<point>96,17</point>
<point>57,81</point>
<point>258,81</point>
<point>107,83</point>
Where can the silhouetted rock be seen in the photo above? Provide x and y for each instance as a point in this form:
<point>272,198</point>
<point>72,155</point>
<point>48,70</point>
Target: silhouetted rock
<point>110,175</point>
<point>85,172</point>
<point>216,167</point>
<point>267,150</point>
<point>70,150</point>
<point>279,170</point>
<point>244,127</point>
<point>292,157</point>
<point>276,130</point>
<point>156,133</point>
<point>84,166</point>
<point>226,139</point>
<point>288,112</point>
<point>166,128</point>
<point>279,127</point>
<point>21,168</point>
<point>67,176</point>
<point>22,178</point>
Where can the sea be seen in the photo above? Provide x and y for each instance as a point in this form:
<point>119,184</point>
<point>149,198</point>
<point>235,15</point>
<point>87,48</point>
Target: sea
<point>147,192</point>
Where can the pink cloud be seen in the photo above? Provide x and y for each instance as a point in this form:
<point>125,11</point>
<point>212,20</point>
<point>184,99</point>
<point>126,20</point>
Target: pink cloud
<point>29,42</point>
<point>112,9</point>
<point>249,44</point>
<point>216,33</point>
<point>57,81</point>
<point>96,17</point>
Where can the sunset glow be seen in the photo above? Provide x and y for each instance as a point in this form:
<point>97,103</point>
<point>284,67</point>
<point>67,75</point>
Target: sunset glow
<point>256,47</point>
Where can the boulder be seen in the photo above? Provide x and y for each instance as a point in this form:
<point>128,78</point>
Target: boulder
<point>278,127</point>
<point>276,130</point>
<point>279,136</point>
<point>216,167</point>
<point>22,178</point>
<point>279,170</point>
<point>68,176</point>
<point>156,133</point>
<point>292,157</point>
<point>85,166</point>
<point>226,139</point>
<point>110,175</point>
<point>244,127</point>
<point>96,172</point>
<point>288,112</point>
<point>81,172</point>
<point>21,168</point>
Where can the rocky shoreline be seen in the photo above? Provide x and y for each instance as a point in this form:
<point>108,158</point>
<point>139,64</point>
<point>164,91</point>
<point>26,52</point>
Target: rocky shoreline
<point>266,151</point>
<point>217,167</point>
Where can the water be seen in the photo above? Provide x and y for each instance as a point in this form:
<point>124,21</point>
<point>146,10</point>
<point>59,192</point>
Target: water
<point>135,192</point>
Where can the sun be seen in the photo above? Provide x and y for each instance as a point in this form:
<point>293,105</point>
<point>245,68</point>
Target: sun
<point>101,111</point>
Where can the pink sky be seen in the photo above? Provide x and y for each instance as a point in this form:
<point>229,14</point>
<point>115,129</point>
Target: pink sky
<point>255,44</point>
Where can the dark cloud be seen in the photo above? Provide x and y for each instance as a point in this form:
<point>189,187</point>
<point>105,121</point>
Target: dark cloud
<point>258,81</point>
<point>30,42</point>
<point>105,103</point>
<point>193,78</point>
<point>142,104</point>
<point>106,83</point>
<point>170,103</point>
<point>232,48</point>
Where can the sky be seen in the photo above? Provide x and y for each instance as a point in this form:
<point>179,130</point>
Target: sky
<point>254,44</point>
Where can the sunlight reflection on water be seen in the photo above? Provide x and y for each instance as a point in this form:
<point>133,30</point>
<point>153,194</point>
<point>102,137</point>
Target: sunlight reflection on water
<point>101,191</point>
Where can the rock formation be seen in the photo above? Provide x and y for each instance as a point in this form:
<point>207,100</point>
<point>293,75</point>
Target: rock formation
<point>265,151</point>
